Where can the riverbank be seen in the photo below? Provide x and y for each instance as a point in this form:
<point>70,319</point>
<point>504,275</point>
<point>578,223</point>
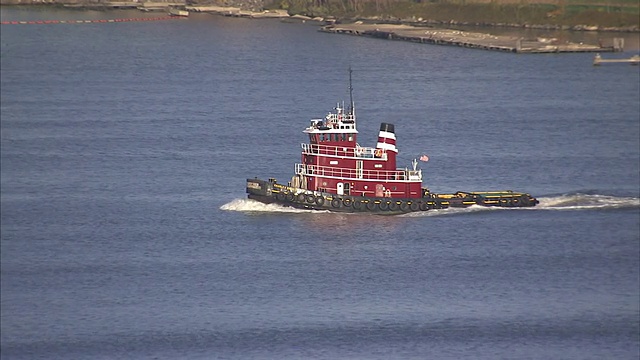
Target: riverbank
<point>544,14</point>
<point>533,16</point>
<point>524,41</point>
<point>412,21</point>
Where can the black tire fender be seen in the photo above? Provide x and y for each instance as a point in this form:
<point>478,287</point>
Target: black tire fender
<point>357,204</point>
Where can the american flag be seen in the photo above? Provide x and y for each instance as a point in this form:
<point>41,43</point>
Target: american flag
<point>424,158</point>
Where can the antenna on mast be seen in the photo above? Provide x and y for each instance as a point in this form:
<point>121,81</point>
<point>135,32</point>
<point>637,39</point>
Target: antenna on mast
<point>351,104</point>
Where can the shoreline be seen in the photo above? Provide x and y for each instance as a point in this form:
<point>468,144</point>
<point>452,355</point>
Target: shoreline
<point>521,39</point>
<point>284,15</point>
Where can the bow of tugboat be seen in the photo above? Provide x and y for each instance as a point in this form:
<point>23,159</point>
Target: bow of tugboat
<point>261,190</point>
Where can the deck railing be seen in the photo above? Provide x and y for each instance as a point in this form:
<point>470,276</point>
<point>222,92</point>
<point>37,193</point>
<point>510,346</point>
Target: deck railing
<point>357,174</point>
<point>343,151</point>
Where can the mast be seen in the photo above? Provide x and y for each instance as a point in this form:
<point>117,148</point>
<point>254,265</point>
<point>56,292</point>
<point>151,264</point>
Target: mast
<point>351,104</point>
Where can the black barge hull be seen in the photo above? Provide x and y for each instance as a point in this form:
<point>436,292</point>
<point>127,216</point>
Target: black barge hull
<point>270,192</point>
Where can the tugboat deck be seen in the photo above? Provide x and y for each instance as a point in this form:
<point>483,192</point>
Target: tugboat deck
<point>272,192</point>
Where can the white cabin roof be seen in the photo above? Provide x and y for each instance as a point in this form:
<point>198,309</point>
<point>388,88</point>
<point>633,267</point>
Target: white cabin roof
<point>334,122</point>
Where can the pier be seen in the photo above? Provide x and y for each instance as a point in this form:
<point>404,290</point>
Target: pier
<point>634,60</point>
<point>425,35</point>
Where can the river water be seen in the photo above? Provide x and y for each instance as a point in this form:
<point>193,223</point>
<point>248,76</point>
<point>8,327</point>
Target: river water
<point>126,232</point>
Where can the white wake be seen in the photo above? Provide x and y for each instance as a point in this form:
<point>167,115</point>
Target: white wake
<point>248,205</point>
<point>587,202</point>
<point>561,202</point>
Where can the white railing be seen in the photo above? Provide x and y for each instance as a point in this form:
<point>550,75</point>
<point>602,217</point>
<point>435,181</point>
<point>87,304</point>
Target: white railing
<point>358,174</point>
<point>341,116</point>
<point>349,152</point>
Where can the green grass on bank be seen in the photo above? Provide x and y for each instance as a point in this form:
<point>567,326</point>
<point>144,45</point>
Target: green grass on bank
<point>604,13</point>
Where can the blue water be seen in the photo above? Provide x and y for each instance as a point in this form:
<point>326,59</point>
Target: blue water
<point>126,232</point>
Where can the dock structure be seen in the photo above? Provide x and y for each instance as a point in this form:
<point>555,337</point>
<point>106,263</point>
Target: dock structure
<point>465,39</point>
<point>634,60</point>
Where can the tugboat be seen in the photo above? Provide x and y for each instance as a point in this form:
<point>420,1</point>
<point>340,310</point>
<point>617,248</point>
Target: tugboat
<point>338,174</point>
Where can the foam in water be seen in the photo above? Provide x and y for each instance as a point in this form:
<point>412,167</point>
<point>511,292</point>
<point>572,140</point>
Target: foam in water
<point>562,202</point>
<point>256,206</point>
<point>586,202</point>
